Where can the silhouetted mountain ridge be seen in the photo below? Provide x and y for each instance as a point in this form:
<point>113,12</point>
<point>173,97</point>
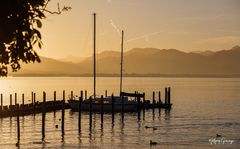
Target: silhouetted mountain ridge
<point>146,61</point>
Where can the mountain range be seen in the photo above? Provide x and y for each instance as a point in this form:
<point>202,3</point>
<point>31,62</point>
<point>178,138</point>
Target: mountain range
<point>143,62</point>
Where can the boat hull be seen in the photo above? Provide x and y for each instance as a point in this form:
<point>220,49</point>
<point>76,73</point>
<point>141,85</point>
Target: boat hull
<point>74,105</point>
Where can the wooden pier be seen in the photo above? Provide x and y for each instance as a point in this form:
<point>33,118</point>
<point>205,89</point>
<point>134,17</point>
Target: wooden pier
<point>22,109</point>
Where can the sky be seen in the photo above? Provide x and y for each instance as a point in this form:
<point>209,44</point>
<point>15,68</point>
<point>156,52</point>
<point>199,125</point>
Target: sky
<point>186,25</point>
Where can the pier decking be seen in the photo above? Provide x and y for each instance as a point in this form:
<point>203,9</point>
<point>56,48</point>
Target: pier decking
<point>59,104</point>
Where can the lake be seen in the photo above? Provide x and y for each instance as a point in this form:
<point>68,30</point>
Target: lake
<point>202,108</point>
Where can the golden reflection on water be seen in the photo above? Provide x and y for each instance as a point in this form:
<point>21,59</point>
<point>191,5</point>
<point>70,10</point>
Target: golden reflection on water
<point>202,107</point>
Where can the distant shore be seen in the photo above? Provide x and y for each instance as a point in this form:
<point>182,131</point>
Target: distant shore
<point>133,75</point>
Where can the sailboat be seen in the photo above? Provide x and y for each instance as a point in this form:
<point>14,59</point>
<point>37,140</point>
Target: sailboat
<point>107,103</point>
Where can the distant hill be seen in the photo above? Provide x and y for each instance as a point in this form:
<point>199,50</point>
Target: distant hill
<point>72,59</point>
<point>145,61</point>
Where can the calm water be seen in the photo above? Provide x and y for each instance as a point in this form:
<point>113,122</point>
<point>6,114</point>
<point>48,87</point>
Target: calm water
<point>203,107</point>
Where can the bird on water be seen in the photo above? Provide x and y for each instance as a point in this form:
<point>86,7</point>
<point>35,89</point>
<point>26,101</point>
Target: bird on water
<point>153,143</point>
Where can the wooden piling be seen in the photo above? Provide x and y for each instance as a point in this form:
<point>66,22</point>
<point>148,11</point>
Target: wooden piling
<point>43,116</point>
<point>1,101</point>
<point>22,99</point>
<point>71,94</point>
<point>144,101</point>
<point>10,99</point>
<point>122,98</point>
<point>166,96</point>
<point>113,101</point>
<point>159,99</point>
<point>32,98</point>
<point>34,102</point>
<point>106,93</point>
<point>63,112</point>
<point>85,94</point>
<point>143,106</point>
<point>90,111</point>
<point>101,109</point>
<point>18,125</point>
<point>169,95</point>
<point>154,102</point>
<point>15,97</point>
<point>80,111</point>
<point>54,96</point>
<point>139,109</point>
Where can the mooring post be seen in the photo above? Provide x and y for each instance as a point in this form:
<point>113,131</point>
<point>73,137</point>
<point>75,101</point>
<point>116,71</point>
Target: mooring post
<point>159,100</point>
<point>113,101</point>
<point>90,111</point>
<point>139,109</point>
<point>166,96</point>
<point>43,116</point>
<point>80,111</point>
<point>102,109</point>
<point>54,98</point>
<point>63,112</point>
<point>18,125</point>
<point>72,95</point>
<point>23,99</point>
<point>122,98</point>
<point>153,106</point>
<point>15,98</point>
<point>10,99</point>
<point>106,93</point>
<point>32,98</point>
<point>169,95</point>
<point>54,102</point>
<point>1,101</point>
<point>85,94</point>
<point>34,102</point>
<point>144,101</point>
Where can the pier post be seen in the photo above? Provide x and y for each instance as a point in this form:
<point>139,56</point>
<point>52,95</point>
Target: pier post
<point>1,101</point>
<point>43,116</point>
<point>85,94</point>
<point>139,109</point>
<point>34,102</point>
<point>90,111</point>
<point>102,109</point>
<point>54,96</point>
<point>18,125</point>
<point>169,95</point>
<point>80,111</point>
<point>113,101</point>
<point>15,98</point>
<point>63,112</point>
<point>54,103</point>
<point>10,99</point>
<point>153,102</point>
<point>72,95</point>
<point>144,101</point>
<point>159,100</point>
<point>105,93</point>
<point>122,98</point>
<point>166,96</point>
<point>22,99</point>
<point>32,98</point>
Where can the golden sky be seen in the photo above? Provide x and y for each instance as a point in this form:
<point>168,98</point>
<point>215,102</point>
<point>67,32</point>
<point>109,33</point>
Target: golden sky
<point>187,25</point>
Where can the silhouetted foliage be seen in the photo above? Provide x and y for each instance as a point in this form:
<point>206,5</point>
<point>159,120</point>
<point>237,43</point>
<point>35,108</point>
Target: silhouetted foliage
<point>19,24</point>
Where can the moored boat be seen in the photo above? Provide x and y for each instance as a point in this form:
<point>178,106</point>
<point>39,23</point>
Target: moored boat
<point>107,104</point>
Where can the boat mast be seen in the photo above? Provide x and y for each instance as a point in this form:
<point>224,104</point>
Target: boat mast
<point>94,55</point>
<point>121,63</point>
